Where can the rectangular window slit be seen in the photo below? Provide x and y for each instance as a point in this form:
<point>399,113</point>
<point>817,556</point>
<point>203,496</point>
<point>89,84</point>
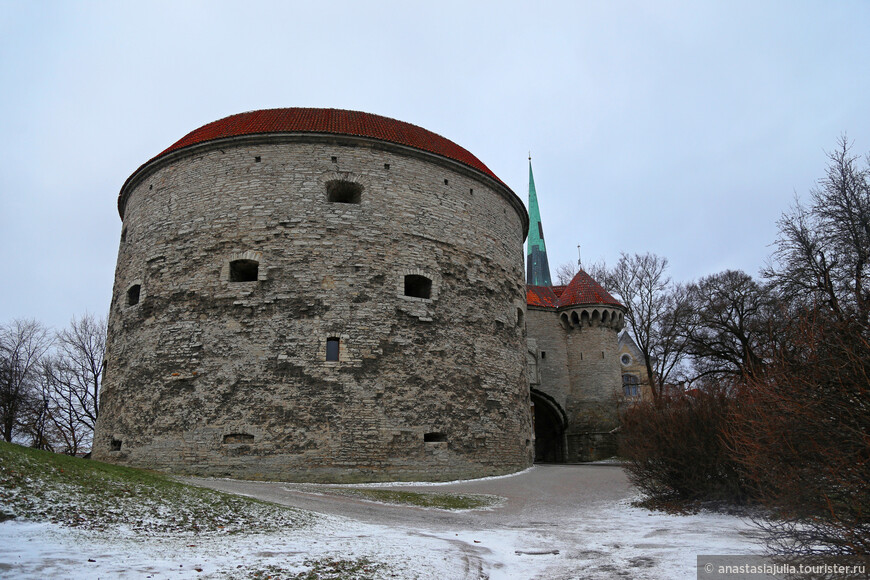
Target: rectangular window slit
<point>332,349</point>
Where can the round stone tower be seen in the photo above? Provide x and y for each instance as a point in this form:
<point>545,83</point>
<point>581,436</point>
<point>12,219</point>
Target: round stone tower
<point>319,295</point>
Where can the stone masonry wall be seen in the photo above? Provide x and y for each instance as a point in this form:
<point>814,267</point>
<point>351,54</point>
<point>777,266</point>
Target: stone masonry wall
<point>581,373</point>
<point>214,377</point>
<point>549,337</point>
<point>596,385</point>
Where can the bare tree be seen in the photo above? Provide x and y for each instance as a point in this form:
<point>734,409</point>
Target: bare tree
<point>73,378</point>
<point>822,254</point>
<point>23,343</point>
<point>655,310</point>
<point>727,324</point>
<point>800,433</point>
<point>566,272</point>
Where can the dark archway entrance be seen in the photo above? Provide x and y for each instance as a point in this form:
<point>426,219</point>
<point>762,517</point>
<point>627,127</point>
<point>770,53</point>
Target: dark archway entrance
<point>549,423</point>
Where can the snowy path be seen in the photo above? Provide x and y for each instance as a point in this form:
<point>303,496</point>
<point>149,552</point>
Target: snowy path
<point>558,522</point>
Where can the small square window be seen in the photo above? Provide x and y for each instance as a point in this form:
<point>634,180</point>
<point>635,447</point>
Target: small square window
<point>339,191</point>
<point>418,286</point>
<point>244,270</point>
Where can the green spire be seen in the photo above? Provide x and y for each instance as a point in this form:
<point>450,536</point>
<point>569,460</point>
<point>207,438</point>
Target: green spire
<point>537,266</point>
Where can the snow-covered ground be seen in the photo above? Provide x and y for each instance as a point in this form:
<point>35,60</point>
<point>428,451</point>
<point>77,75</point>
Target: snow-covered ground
<point>604,537</point>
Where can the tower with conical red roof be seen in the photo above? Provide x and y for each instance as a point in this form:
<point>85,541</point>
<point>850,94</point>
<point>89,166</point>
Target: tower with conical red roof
<point>575,374</point>
<point>576,387</point>
<point>537,266</point>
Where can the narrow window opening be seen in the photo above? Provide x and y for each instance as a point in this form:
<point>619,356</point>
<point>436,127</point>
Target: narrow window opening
<point>238,438</point>
<point>244,270</point>
<point>133,295</point>
<point>340,191</point>
<point>445,182</point>
<point>332,349</point>
<point>520,316</point>
<point>418,286</point>
<point>334,159</point>
<point>471,191</point>
<point>434,438</point>
<point>544,355</point>
<point>116,445</point>
<point>602,354</point>
<point>123,235</point>
<point>387,166</point>
<point>257,159</point>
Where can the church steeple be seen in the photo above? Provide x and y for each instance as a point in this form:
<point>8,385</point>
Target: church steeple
<point>537,267</point>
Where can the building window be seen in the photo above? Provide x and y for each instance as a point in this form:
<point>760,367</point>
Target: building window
<point>244,270</point>
<point>332,349</point>
<point>133,295</point>
<point>340,191</point>
<point>630,385</point>
<point>520,318</point>
<point>418,286</point>
<point>115,445</point>
<point>543,355</point>
<point>625,359</point>
<point>434,438</point>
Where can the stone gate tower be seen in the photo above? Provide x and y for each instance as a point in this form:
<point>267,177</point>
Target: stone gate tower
<point>573,354</point>
<point>316,294</point>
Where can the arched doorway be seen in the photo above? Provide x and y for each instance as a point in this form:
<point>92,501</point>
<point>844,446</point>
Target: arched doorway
<point>549,423</point>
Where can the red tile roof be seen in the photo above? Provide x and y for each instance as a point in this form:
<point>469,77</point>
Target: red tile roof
<point>334,121</point>
<point>581,290</point>
<point>584,290</point>
<point>541,296</point>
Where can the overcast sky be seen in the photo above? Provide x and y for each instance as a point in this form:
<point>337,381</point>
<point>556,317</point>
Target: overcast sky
<point>679,128</point>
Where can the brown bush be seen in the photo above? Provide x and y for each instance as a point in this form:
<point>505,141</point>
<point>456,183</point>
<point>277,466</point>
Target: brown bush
<point>802,436</point>
<point>675,449</point>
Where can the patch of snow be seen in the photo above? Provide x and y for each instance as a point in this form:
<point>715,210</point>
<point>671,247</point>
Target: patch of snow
<point>613,539</point>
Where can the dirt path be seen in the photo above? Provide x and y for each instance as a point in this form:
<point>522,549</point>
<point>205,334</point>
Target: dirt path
<point>560,521</point>
<point>544,497</point>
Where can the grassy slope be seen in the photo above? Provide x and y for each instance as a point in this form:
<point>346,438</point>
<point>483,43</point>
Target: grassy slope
<point>42,486</point>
